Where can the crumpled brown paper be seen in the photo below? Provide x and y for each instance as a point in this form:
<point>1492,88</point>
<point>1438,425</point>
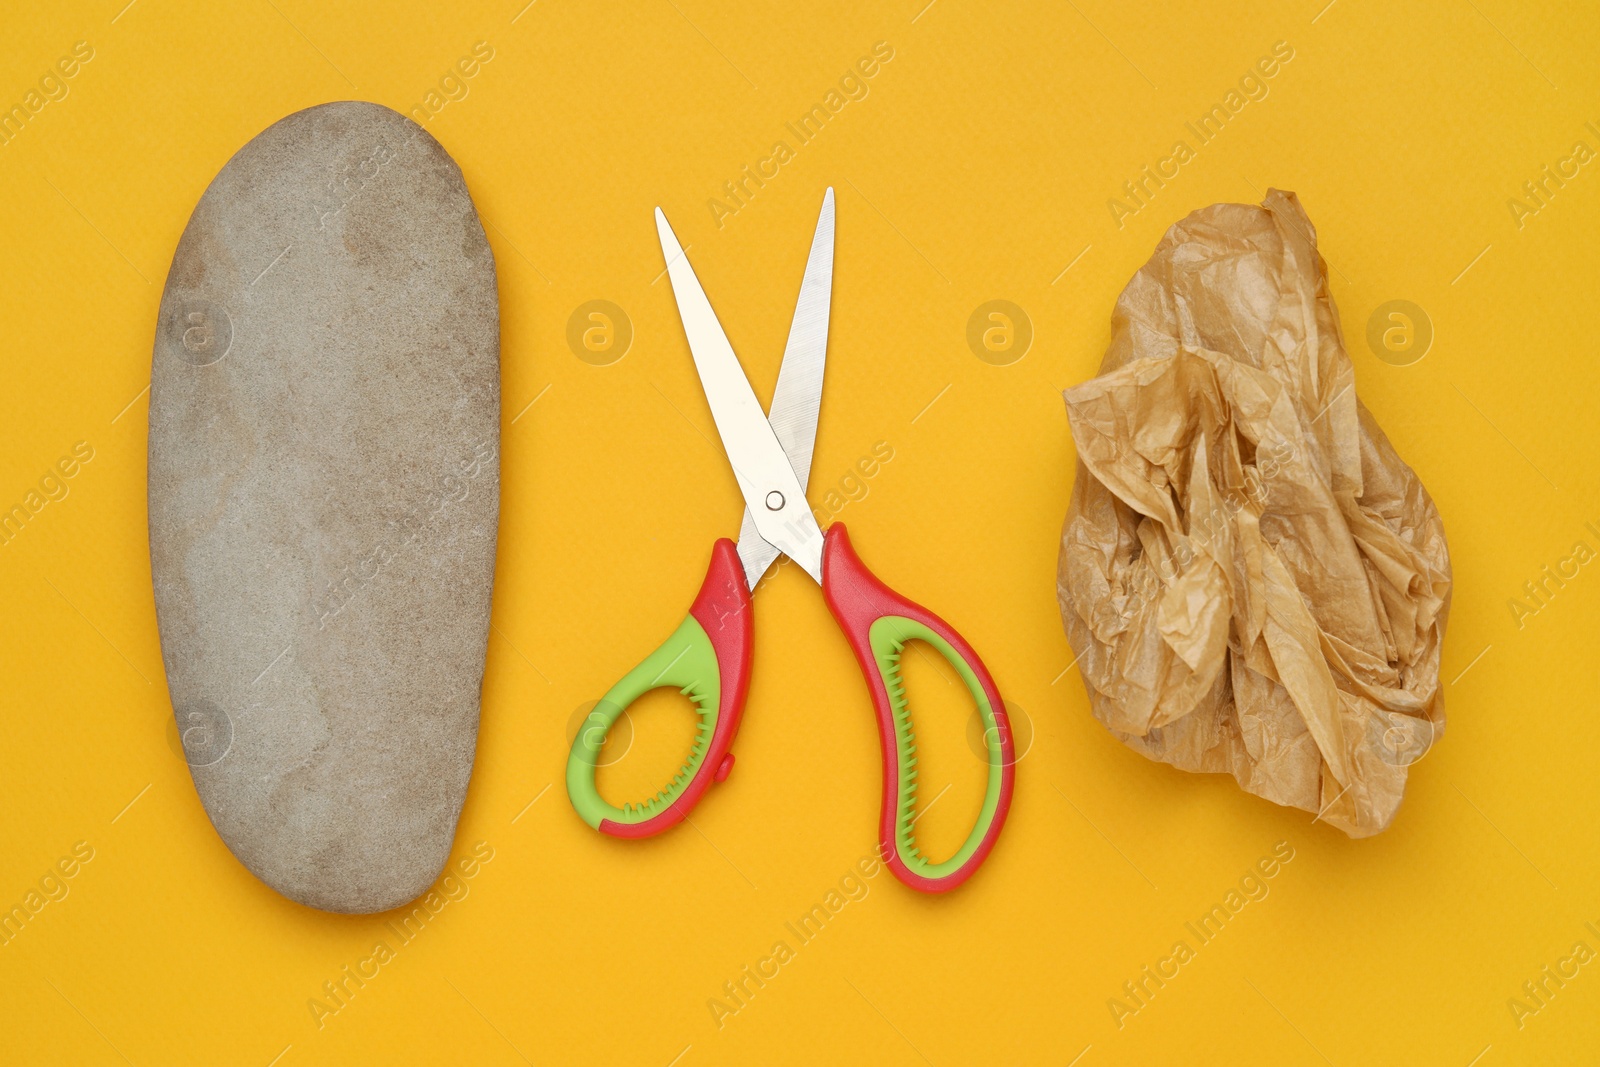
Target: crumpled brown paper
<point>1252,579</point>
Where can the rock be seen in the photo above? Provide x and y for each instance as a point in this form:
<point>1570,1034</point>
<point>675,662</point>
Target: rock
<point>324,493</point>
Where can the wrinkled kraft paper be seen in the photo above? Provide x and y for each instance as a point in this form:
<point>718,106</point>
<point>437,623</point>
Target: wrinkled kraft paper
<point>1252,579</point>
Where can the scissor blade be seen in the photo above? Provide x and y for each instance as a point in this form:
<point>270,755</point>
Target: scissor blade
<point>798,396</point>
<point>772,492</point>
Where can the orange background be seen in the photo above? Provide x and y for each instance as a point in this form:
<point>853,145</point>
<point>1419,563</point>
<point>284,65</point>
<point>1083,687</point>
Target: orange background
<point>977,167</point>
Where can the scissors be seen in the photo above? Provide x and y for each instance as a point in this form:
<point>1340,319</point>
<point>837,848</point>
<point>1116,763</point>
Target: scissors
<point>708,657</point>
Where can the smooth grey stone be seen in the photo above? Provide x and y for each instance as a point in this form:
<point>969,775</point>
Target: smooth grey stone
<point>324,493</point>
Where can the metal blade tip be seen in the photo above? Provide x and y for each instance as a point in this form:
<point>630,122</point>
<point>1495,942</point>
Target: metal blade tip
<point>669,240</point>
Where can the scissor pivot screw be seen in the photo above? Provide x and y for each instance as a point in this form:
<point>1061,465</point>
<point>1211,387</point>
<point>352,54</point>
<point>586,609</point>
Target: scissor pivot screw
<point>774,501</point>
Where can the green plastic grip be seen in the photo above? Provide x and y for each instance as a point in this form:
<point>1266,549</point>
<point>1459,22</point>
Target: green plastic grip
<point>889,636</point>
<point>687,662</point>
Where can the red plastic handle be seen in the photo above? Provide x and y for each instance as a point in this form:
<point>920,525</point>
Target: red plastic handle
<point>722,608</point>
<point>858,600</point>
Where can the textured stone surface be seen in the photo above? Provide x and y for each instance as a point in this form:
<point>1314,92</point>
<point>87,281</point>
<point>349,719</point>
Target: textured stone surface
<point>324,493</point>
